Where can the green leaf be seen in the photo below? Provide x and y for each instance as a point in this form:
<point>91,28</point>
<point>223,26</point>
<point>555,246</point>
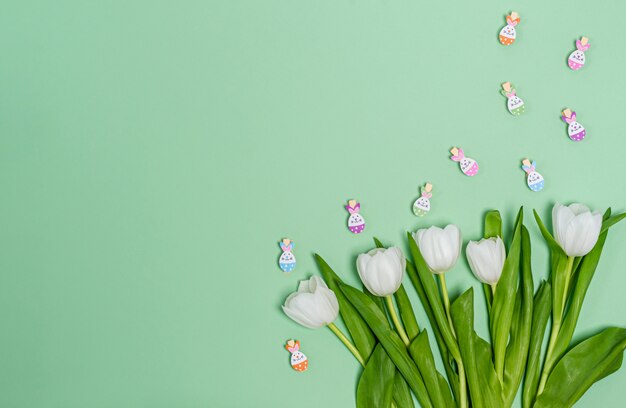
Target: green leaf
<point>402,392</point>
<point>378,300</point>
<point>517,351</point>
<point>423,357</point>
<point>554,246</point>
<point>493,228</point>
<point>378,243</point>
<point>375,387</point>
<point>443,349</point>
<point>559,262</point>
<point>443,385</point>
<point>582,366</point>
<point>584,275</point>
<point>359,331</point>
<point>432,294</point>
<point>484,386</point>
<point>504,299</point>
<point>406,313</point>
<point>389,339</point>
<point>493,224</point>
<point>608,223</point>
<point>541,313</point>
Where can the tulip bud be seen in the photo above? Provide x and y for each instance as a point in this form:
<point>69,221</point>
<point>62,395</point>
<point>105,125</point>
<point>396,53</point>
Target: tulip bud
<point>486,259</point>
<point>381,270</point>
<point>576,228</point>
<point>439,247</point>
<point>313,305</point>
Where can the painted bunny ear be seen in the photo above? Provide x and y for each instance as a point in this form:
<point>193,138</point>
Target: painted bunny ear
<point>573,116</point>
<point>353,206</point>
<point>513,19</point>
<point>457,154</point>
<point>583,44</point>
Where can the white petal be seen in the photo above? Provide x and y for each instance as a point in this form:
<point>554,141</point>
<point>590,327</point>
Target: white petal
<point>578,209</point>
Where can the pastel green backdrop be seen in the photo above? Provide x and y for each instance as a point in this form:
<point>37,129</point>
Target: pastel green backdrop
<point>153,153</point>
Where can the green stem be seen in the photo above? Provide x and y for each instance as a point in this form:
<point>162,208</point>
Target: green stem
<point>347,343</point>
<point>462,385</point>
<point>556,328</point>
<point>493,289</point>
<point>396,321</point>
<point>568,276</point>
<point>446,300</point>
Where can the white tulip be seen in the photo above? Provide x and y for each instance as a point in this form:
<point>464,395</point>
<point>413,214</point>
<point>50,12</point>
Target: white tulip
<point>439,247</point>
<point>486,259</point>
<point>576,228</point>
<point>313,305</point>
<point>381,270</point>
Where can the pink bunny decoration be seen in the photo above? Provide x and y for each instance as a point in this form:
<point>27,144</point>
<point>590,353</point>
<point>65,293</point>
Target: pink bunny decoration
<point>576,59</point>
<point>356,223</point>
<point>469,167</point>
<point>575,130</point>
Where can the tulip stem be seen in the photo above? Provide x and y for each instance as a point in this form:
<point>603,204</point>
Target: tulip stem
<point>346,342</point>
<point>396,321</point>
<point>462,385</point>
<point>446,300</point>
<point>556,328</point>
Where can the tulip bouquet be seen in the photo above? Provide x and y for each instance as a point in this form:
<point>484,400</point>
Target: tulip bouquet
<point>396,354</point>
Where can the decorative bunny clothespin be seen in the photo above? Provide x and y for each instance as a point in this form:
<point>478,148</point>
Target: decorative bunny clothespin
<point>287,260</point>
<point>508,33</point>
<point>576,59</point>
<point>469,167</point>
<point>356,222</point>
<point>299,362</point>
<point>515,104</point>
<point>533,179</point>
<point>422,205</point>
<point>575,130</point>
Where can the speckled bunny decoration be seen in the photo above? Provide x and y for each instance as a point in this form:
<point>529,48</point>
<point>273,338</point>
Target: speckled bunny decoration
<point>287,260</point>
<point>576,59</point>
<point>514,104</point>
<point>299,362</point>
<point>533,179</point>
<point>421,207</point>
<point>469,167</point>
<point>575,130</point>
<point>356,222</point>
<point>508,34</point>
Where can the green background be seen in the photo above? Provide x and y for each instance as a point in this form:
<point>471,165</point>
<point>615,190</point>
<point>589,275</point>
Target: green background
<point>153,153</point>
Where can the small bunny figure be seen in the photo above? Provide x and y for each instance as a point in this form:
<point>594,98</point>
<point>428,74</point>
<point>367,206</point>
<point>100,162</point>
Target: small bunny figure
<point>534,179</point>
<point>422,205</point>
<point>576,59</point>
<point>287,260</point>
<point>575,130</point>
<point>356,223</point>
<point>469,167</point>
<point>508,34</point>
<point>515,104</point>
<point>299,362</point>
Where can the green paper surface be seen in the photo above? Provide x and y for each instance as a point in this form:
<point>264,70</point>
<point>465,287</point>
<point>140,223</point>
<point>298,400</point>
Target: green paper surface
<point>152,154</point>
